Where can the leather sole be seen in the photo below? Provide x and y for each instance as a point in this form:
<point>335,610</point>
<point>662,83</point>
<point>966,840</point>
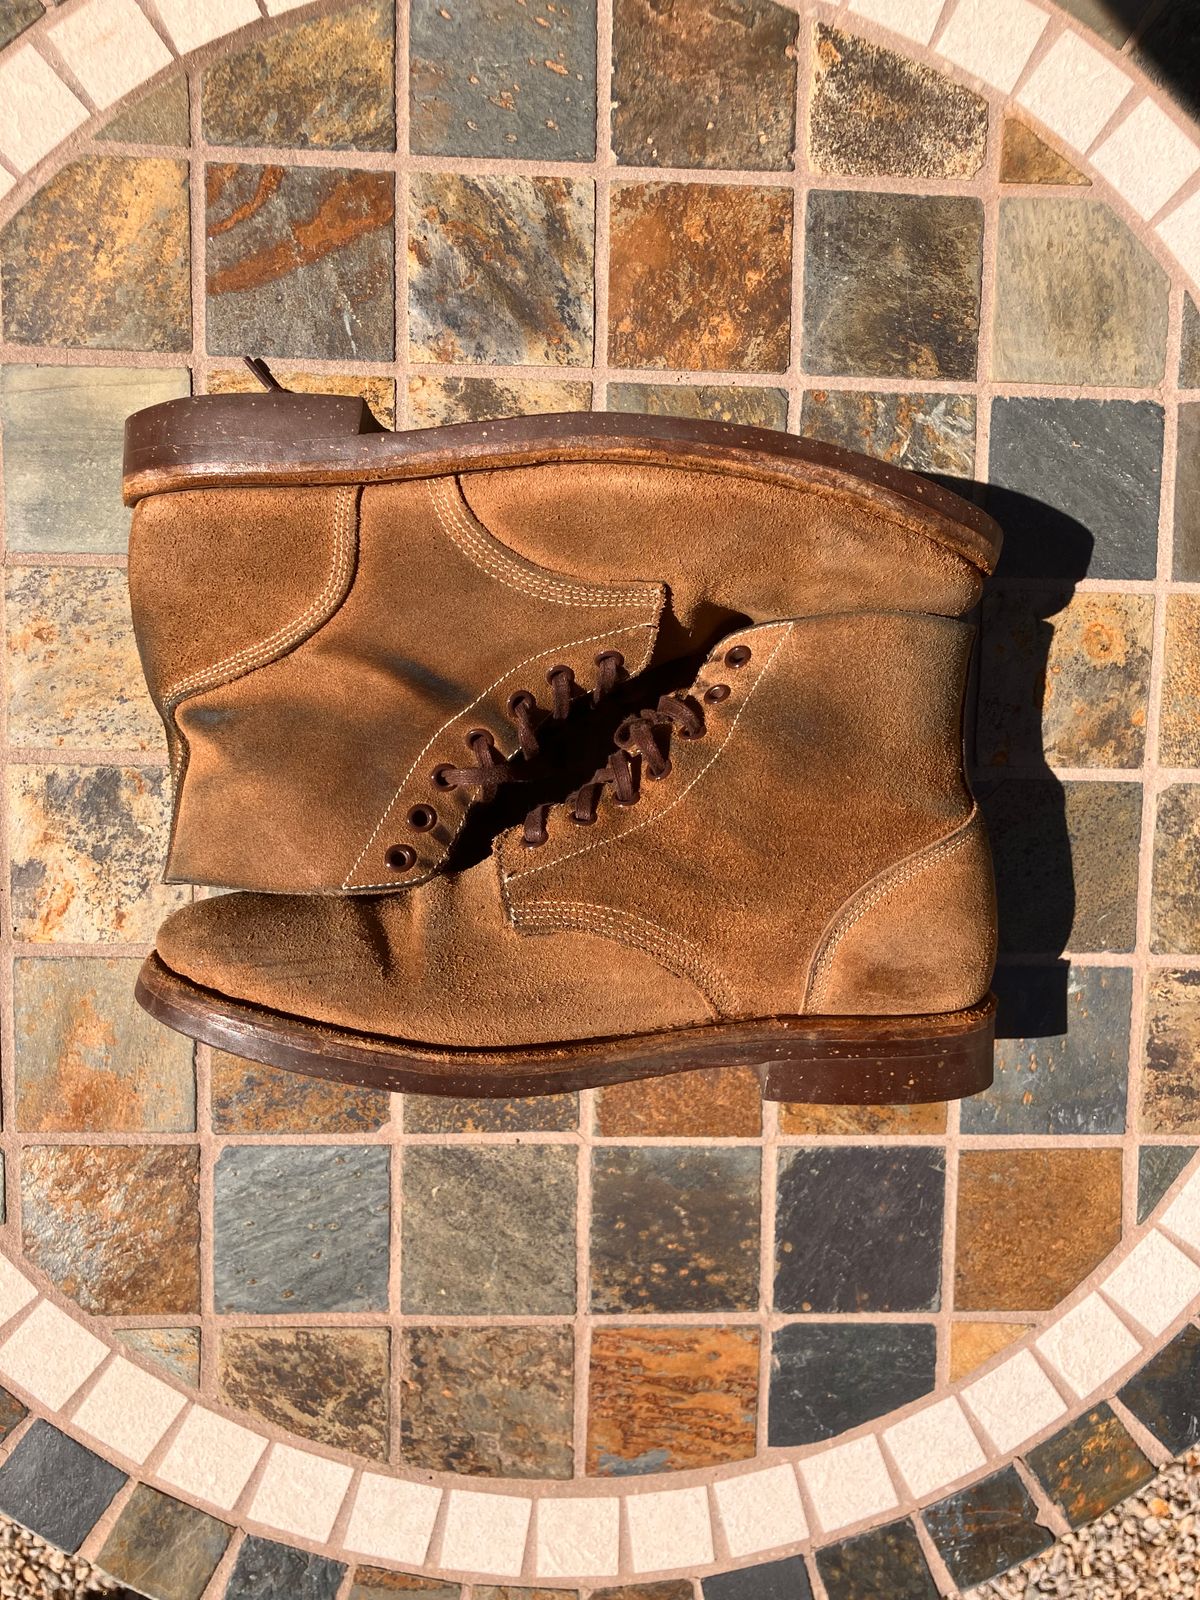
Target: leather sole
<point>819,1060</point>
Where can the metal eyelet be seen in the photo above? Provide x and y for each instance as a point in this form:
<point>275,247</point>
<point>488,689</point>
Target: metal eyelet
<point>401,857</point>
<point>718,692</point>
<point>422,818</point>
<point>738,656</point>
<point>438,776</point>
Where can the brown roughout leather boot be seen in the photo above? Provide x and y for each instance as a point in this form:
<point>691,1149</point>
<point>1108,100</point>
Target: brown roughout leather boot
<point>353,636</point>
<point>782,866</point>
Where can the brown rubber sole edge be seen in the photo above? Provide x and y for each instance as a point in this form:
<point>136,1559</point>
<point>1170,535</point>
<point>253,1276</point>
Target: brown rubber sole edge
<point>277,439</point>
<point>819,1060</point>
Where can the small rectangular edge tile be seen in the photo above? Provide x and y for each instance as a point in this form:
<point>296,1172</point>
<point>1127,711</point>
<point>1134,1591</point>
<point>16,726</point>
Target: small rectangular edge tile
<point>1180,232</point>
<point>110,47</point>
<point>1074,90</point>
<point>993,39</point>
<point>1087,1345</point>
<point>1155,1283</point>
<point>50,1355</point>
<point>1014,1402</point>
<point>16,1291</point>
<point>392,1519</point>
<point>935,1447</point>
<point>211,1458</point>
<point>192,23</point>
<point>485,1533</point>
<point>1182,1216</point>
<point>129,1409</point>
<point>578,1538</point>
<point>849,1483</point>
<point>37,110</point>
<point>1147,185</point>
<point>669,1528</point>
<point>912,19</point>
<point>761,1511</point>
<point>300,1492</point>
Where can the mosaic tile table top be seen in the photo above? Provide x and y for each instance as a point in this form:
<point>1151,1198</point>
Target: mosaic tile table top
<point>262,1336</point>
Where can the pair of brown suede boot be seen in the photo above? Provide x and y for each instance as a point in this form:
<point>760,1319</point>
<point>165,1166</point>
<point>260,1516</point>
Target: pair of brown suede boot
<point>373,652</point>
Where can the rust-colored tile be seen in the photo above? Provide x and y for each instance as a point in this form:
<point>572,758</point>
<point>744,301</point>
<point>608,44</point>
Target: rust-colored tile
<point>375,1583</point>
<point>932,433</point>
<point>1175,917</point>
<point>756,407</point>
<point>379,393</point>
<point>434,401</point>
<point>876,1121</point>
<point>1091,1466</point>
<point>1032,1224</point>
<point>1179,729</point>
<point>725,1102</point>
<point>973,1343</point>
<point>1027,158</point>
<point>116,1227</point>
<point>675,1589</point>
<point>668,1399</point>
<point>700,277</point>
<point>327,1384</point>
<point>537,1113</point>
<point>250,1098</point>
<point>1170,1082</point>
<point>506,1592</point>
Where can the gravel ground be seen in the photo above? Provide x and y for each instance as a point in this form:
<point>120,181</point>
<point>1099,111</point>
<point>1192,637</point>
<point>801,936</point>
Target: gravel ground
<point>30,1569</point>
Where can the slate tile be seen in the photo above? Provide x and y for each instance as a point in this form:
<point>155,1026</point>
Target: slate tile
<point>859,1230</point>
<point>176,1350</point>
<point>265,1570</point>
<point>1079,299</point>
<point>115,1227</point>
<point>301,1228</point>
<point>1165,1394</point>
<point>1170,1088</point>
<point>489,1230</point>
<point>542,1113</point>
<point>675,1229</point>
<point>1175,917</point>
<point>669,1399</point>
<point>160,117</point>
<point>770,1580</point>
<point>300,262</point>
<point>56,1487</point>
<point>885,1561</point>
<point>1158,1167</point>
<point>932,433</point>
<point>373,1583</point>
<point>1058,1083</point>
<point>1066,862</point>
<point>325,83</point>
<point>514,82</point>
<point>1032,1224</point>
<point>326,1384</point>
<point>1075,486</point>
<point>701,84</point>
<point>507,1592</point>
<point>720,1103</point>
<point>879,1122</point>
<point>98,258</point>
<point>87,1058</point>
<point>435,401</point>
<point>911,310</point>
<point>974,1343</point>
<point>756,407</point>
<point>1179,722</point>
<point>248,1097</point>
<point>87,848</point>
<point>678,1589</point>
<point>1064,678</point>
<point>500,269</point>
<point>1090,1466</point>
<point>11,1412</point>
<point>379,393</point>
<point>16,16</point>
<point>700,277</point>
<point>987,1528</point>
<point>492,1402</point>
<point>63,442</point>
<point>1187,494</point>
<point>1189,356</point>
<point>1025,157</point>
<point>874,113</point>
<point>162,1547</point>
<point>828,1377</point>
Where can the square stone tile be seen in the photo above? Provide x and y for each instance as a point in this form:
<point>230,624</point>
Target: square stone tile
<point>675,1229</point>
<point>827,1377</point>
<point>1179,725</point>
<point>301,1228</point>
<point>1121,158</point>
<point>1187,492</point>
<point>878,1122</point>
<point>37,109</point>
<point>1154,1284</point>
<point>461,1410</point>
<point>435,401</point>
<point>50,1355</point>
<point>110,48</point>
<point>675,1589</point>
<point>375,1583</point>
<point>574,1534</point>
<point>248,1097</point>
<point>1170,1092</point>
<point>1075,486</point>
<point>887,1561</point>
<point>128,1410</point>
<point>1014,1401</point>
<point>511,82</point>
<point>1066,860</point>
<point>56,1487</point>
<point>722,1102</point>
<point>756,407</point>
<point>300,262</point>
<point>1088,1345</point>
<point>772,1580</point>
<point>506,1591</point>
<point>486,1533</point>
<point>98,258</point>
<point>1078,298</point>
<point>859,1230</point>
<point>849,1483</point>
<point>1165,1394</point>
<point>1158,1167</point>
<point>1054,1082</point>
<point>211,1457</point>
<point>116,1227</point>
<point>63,442</point>
<point>992,41</point>
<point>163,1547</point>
<point>669,1527</point>
<point>1032,1224</point>
<point>1025,157</point>
<point>299,1492</point>
<point>874,113</point>
<point>392,1520</point>
<point>379,393</point>
<point>11,1412</point>
<point>192,23</point>
<point>687,290</point>
<point>327,1384</point>
<point>972,1344</point>
<point>160,117</point>
<point>264,1569</point>
<point>931,433</point>
<point>489,1230</point>
<point>87,850</point>
<point>702,85</point>
<point>934,1446</point>
<point>671,1398</point>
<point>987,1528</point>
<point>760,1510</point>
<point>1064,678</point>
<point>908,311</point>
<point>500,269</point>
<point>16,16</point>
<point>324,83</point>
<point>1090,1466</point>
<point>1175,917</point>
<point>542,1113</point>
<point>1189,355</point>
<point>175,1350</point>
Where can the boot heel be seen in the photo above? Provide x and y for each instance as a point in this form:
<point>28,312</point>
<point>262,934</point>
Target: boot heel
<point>884,1060</point>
